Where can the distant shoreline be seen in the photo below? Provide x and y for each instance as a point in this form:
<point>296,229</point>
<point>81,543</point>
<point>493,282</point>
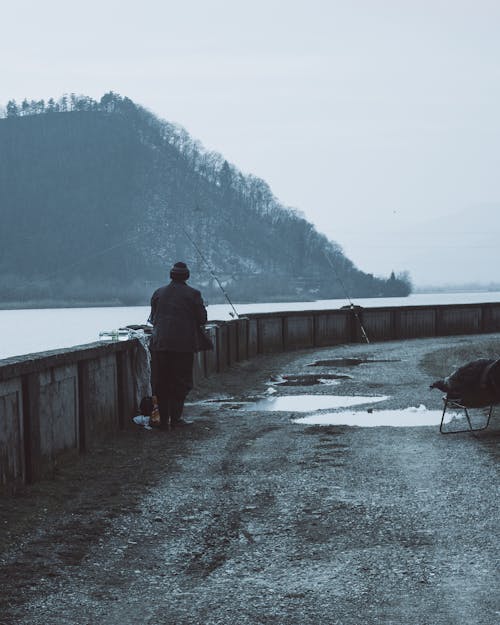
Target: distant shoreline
<point>62,304</point>
<point>44,304</point>
<point>456,289</point>
<point>113,303</point>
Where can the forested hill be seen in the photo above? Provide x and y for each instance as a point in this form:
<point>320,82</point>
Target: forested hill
<point>98,199</point>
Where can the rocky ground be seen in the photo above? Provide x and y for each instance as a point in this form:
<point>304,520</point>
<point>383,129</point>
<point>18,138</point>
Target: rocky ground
<point>249,518</point>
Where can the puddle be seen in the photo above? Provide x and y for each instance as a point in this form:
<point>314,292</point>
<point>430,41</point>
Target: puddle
<point>231,403</point>
<point>214,400</point>
<point>308,379</point>
<point>404,417</point>
<point>348,362</point>
<point>308,403</point>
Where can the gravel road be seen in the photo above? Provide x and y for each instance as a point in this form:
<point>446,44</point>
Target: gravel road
<point>249,518</point>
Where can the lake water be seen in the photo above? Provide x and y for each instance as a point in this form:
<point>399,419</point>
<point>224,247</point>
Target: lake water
<point>34,330</point>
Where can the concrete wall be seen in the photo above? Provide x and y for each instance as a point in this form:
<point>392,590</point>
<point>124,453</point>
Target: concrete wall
<point>56,417</point>
<point>415,323</point>
<point>270,334</point>
<point>211,357</point>
<point>253,338</point>
<point>298,331</point>
<point>242,325</point>
<point>331,328</point>
<point>59,403</point>
<point>56,404</point>
<point>12,465</point>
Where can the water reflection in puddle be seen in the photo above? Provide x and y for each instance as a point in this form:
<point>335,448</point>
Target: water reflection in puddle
<point>307,403</point>
<point>349,362</point>
<point>308,379</point>
<point>405,417</point>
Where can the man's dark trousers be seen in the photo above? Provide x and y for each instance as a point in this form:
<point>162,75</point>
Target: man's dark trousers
<point>172,377</point>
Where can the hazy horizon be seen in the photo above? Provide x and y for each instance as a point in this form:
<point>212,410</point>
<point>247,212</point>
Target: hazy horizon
<point>378,120</point>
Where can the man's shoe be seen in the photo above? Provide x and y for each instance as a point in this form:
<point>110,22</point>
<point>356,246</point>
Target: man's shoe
<point>175,408</point>
<point>181,423</point>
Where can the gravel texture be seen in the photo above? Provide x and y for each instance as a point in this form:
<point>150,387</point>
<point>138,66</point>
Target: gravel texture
<point>247,518</point>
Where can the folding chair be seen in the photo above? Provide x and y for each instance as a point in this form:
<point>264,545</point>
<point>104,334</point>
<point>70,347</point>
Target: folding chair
<point>457,403</point>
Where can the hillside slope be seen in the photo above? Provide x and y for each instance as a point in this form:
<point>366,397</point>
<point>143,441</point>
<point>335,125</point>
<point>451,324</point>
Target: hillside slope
<point>98,199</point>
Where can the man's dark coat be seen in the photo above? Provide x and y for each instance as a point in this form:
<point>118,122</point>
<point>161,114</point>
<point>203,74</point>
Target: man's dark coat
<point>177,312</point>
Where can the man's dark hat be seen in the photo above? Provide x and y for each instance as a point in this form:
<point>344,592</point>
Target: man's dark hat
<point>179,271</point>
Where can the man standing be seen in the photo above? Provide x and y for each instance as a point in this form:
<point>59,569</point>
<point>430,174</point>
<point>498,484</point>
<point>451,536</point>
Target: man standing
<point>177,312</point>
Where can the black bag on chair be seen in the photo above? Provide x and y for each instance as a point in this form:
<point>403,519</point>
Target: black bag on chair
<point>204,341</point>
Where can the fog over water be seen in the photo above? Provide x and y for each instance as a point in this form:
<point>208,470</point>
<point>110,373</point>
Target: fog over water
<point>34,330</point>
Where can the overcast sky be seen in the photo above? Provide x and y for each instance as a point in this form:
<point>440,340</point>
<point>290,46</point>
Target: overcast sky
<point>378,119</point>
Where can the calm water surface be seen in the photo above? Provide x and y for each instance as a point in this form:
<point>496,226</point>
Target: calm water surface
<point>27,331</point>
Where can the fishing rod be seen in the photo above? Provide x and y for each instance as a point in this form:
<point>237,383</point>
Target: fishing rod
<point>211,271</point>
<point>125,241</point>
<point>351,305</point>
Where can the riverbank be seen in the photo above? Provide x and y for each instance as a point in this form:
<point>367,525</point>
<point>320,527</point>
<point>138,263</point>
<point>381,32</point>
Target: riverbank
<point>51,304</point>
<point>418,297</point>
<point>248,517</point>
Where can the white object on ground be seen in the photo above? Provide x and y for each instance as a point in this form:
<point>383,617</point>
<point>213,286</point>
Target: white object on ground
<point>142,420</point>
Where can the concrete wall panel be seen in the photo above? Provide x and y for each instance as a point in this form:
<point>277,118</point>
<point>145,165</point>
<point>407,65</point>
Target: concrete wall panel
<point>130,380</point>
<point>331,328</point>
<point>211,355</point>
<point>491,318</point>
<point>12,467</point>
<point>222,347</point>
<point>232,338</point>
<point>253,338</point>
<point>299,332</point>
<point>242,325</point>
<point>101,395</point>
<point>58,411</point>
<point>198,367</point>
<point>270,334</point>
<point>377,324</point>
<point>415,323</point>
<point>458,321</point>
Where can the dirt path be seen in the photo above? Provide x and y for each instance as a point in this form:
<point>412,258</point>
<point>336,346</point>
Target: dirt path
<point>249,518</point>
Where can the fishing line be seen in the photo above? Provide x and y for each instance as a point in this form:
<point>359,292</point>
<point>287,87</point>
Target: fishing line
<point>209,267</point>
<point>99,253</point>
<point>82,260</point>
<point>352,306</point>
<point>125,241</point>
